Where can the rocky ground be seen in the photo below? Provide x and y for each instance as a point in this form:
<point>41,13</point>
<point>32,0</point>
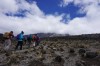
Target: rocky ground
<point>54,53</point>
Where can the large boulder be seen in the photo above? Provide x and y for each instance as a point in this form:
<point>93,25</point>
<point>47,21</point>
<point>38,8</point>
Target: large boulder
<point>91,54</point>
<point>81,51</point>
<point>71,50</point>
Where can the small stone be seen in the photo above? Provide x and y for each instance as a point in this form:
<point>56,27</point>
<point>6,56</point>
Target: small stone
<point>71,50</point>
<point>67,57</point>
<point>81,46</point>
<point>81,51</point>
<point>80,63</point>
<point>43,51</point>
<point>58,59</point>
<point>54,48</point>
<point>61,49</point>
<point>26,52</point>
<point>7,54</point>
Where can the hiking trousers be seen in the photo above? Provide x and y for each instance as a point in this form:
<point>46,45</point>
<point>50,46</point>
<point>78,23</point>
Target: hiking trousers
<point>20,43</point>
<point>37,43</point>
<point>29,44</point>
<point>7,44</point>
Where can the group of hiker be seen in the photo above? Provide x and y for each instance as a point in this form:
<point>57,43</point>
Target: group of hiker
<point>30,40</point>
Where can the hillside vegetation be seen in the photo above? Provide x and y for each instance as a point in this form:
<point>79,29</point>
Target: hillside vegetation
<point>55,51</point>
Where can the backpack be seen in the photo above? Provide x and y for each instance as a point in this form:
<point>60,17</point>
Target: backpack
<point>33,37</point>
<point>6,35</point>
<point>36,38</point>
<point>18,36</point>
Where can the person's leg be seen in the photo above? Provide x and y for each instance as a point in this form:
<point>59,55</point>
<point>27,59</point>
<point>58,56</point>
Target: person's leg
<point>33,44</point>
<point>37,43</point>
<point>5,44</point>
<point>9,44</point>
<point>28,44</point>
<point>17,45</point>
<point>21,44</point>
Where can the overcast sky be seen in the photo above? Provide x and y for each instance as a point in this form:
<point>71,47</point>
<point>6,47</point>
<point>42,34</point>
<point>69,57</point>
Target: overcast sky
<point>50,16</point>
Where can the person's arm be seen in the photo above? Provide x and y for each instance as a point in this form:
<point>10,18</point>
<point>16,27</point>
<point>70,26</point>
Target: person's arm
<point>11,35</point>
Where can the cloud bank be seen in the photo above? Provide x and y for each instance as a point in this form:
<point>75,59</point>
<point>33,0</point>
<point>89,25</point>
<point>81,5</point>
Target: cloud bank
<point>35,21</point>
<point>89,23</point>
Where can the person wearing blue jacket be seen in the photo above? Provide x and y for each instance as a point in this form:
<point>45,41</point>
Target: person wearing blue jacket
<point>20,38</point>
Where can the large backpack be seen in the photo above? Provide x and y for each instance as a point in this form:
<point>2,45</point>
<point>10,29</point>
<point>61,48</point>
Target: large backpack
<point>6,35</point>
<point>18,37</point>
<point>36,38</point>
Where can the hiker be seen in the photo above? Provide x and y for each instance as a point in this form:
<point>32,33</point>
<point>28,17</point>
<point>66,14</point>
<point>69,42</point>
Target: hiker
<point>29,40</point>
<point>20,38</point>
<point>33,40</point>
<point>36,39</point>
<point>7,40</point>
